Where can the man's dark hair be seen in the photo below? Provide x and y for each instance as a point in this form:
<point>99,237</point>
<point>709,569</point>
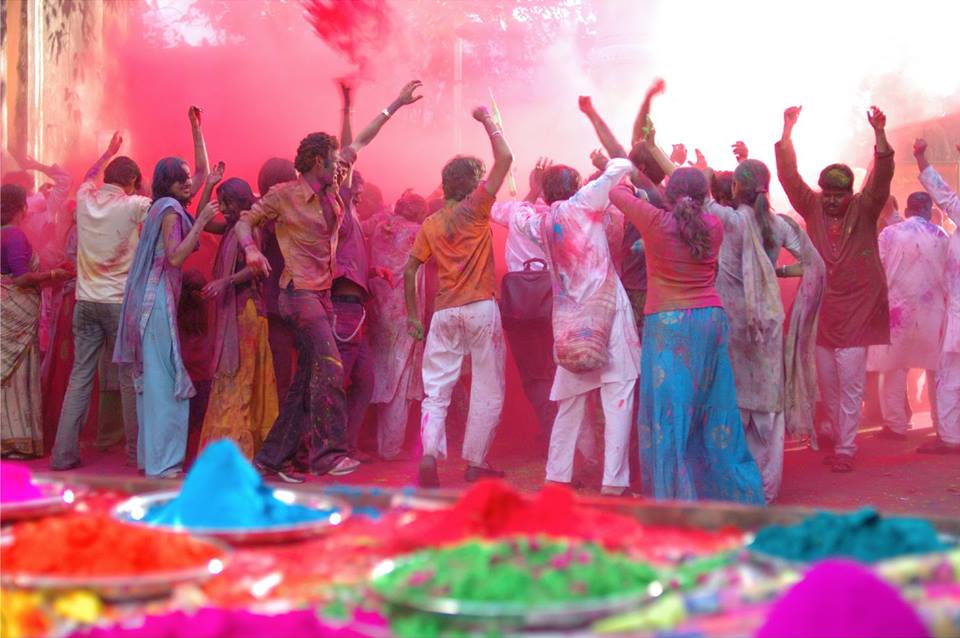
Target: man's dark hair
<point>169,171</point>
<point>560,183</point>
<point>311,147</point>
<point>643,159</point>
<point>919,204</point>
<point>13,199</point>
<point>461,176</point>
<point>123,171</point>
<point>275,170</point>
<point>721,187</point>
<point>836,177</point>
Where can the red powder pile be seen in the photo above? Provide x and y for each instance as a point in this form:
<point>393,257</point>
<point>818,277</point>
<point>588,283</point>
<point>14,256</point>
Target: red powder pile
<point>96,545</point>
<point>491,509</point>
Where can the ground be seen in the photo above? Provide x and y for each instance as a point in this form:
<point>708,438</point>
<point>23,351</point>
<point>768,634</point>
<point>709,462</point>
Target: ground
<point>888,474</point>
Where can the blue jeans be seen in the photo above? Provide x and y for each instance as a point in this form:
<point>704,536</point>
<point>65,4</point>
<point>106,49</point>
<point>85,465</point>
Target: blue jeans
<point>314,410</point>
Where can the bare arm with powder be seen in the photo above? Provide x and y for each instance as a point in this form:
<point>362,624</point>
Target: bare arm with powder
<point>177,249</point>
<point>200,164</point>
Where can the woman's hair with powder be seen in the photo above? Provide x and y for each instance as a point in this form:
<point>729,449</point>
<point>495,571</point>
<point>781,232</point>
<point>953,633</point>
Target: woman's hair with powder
<point>753,189</point>
<point>686,191</point>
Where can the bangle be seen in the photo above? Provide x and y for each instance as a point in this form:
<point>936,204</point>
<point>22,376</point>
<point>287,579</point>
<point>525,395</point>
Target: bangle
<point>246,243</point>
<point>496,133</point>
<point>386,112</point>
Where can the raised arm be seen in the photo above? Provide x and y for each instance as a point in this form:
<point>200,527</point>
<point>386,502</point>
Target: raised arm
<point>876,188</point>
<point>536,179</point>
<point>801,196</point>
<point>200,165</point>
<point>595,195</point>
<point>641,125</point>
<point>370,131</point>
<point>177,249</point>
<point>217,227</point>
<point>346,132</point>
<point>638,212</point>
<point>112,149</point>
<point>945,197</point>
<point>502,155</point>
<point>606,136</point>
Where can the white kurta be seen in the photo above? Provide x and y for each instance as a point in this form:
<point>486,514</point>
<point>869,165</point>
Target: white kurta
<point>914,256</point>
<point>582,222</point>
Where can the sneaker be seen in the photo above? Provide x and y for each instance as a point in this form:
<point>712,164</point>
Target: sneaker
<point>427,472</point>
<point>345,466</point>
<point>285,476</point>
<point>475,473</point>
<point>887,433</point>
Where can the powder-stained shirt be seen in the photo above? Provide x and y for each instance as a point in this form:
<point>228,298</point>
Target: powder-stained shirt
<point>352,250</point>
<point>458,237</point>
<point>855,310</point>
<point>675,280</point>
<point>914,256</point>
<point>948,201</point>
<point>519,248</point>
<point>307,224</point>
<point>108,223</point>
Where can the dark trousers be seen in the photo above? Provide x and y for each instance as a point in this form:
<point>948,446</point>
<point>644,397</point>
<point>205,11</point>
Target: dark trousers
<point>531,343</point>
<point>281,348</point>
<point>314,410</point>
<point>354,347</point>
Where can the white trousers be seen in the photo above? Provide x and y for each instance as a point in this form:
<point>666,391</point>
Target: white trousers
<point>617,399</point>
<point>840,374</point>
<point>765,432</point>
<point>948,398</point>
<point>893,389</point>
<point>473,329</point>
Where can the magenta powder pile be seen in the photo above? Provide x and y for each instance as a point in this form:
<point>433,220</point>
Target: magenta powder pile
<point>842,599</point>
<point>16,484</point>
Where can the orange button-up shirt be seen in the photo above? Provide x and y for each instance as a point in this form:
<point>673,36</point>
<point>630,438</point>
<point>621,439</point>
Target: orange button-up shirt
<point>307,224</point>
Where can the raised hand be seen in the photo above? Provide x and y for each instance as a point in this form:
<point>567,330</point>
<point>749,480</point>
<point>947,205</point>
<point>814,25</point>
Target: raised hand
<point>701,162</point>
<point>209,212</point>
<point>877,118</point>
<point>920,147</point>
<point>536,175</point>
<point>791,115</point>
<point>346,90</point>
<point>216,173</point>
<point>407,93</point>
<point>194,114</point>
<point>679,154</point>
<point>585,104</point>
<point>481,114</point>
<point>599,160</point>
<point>658,87</point>
<point>740,151</point>
<point>115,142</point>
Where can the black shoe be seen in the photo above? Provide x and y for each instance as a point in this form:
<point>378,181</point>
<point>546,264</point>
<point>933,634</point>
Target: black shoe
<point>427,473</point>
<point>887,433</point>
<point>286,476</point>
<point>475,473</point>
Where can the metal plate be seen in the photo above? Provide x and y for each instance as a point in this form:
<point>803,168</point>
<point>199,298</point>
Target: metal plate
<point>119,588</point>
<point>57,498</point>
<point>566,614</point>
<point>133,510</point>
<point>778,563</point>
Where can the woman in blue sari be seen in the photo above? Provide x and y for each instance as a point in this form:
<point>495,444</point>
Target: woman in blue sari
<point>692,444</point>
<point>148,338</point>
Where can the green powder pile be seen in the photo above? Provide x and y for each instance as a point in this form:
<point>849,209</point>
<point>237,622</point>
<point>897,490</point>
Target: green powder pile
<point>520,570</point>
<point>863,535</point>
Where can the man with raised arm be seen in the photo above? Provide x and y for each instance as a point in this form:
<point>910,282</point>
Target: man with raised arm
<point>948,369</point>
<point>466,318</point>
<point>108,220</point>
<point>308,213</point>
<point>855,313</point>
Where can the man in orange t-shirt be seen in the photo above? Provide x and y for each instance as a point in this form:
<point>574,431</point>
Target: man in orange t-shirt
<point>466,319</point>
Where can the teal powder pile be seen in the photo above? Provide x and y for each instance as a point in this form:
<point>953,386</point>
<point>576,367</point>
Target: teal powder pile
<point>863,535</point>
<point>223,491</point>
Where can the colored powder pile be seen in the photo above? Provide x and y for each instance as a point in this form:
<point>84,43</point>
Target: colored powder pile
<point>221,623</point>
<point>223,491</point>
<point>842,599</point>
<point>863,535</point>
<point>524,570</point>
<point>491,509</point>
<point>97,545</point>
<point>357,29</point>
<point>16,485</point>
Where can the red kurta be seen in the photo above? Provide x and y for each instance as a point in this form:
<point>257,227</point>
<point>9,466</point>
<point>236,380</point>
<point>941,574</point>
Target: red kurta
<point>855,311</point>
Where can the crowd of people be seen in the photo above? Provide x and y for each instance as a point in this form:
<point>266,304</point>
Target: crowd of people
<point>649,289</point>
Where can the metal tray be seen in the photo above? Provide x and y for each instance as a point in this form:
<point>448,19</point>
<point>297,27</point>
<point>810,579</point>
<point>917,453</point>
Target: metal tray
<point>57,498</point>
<point>778,563</point>
<point>558,615</point>
<point>121,588</point>
<point>133,510</point>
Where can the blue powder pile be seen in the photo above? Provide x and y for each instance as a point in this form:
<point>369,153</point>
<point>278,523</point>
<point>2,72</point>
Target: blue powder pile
<point>223,491</point>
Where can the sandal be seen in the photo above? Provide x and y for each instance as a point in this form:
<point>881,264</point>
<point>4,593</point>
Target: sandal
<point>842,464</point>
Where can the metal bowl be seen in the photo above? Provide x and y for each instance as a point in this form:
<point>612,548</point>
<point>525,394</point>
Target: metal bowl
<point>135,509</point>
<point>56,498</point>
<point>778,563</point>
<point>120,588</point>
<point>553,615</point>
